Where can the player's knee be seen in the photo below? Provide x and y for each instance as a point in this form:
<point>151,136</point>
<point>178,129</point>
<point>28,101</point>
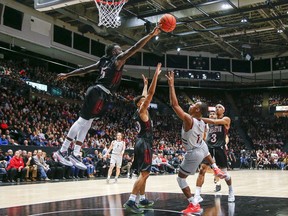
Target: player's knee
<point>182,182</point>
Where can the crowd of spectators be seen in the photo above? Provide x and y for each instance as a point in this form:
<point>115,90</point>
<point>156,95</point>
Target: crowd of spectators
<point>33,121</point>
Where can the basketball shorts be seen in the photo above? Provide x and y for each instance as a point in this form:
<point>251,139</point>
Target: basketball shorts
<point>116,159</point>
<point>95,103</point>
<point>193,158</point>
<point>142,155</point>
<point>219,156</point>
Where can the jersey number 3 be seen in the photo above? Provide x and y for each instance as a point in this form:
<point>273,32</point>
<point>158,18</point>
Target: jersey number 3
<point>213,138</point>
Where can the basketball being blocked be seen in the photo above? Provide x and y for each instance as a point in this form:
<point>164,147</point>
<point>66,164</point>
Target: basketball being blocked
<point>167,23</point>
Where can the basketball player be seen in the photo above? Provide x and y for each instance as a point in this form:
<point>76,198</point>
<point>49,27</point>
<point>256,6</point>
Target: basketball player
<point>118,148</point>
<point>143,148</point>
<point>205,165</point>
<point>192,138</point>
<point>97,97</point>
<point>216,141</point>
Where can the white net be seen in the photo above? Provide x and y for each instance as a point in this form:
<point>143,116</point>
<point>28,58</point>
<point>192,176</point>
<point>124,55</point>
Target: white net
<point>109,12</point>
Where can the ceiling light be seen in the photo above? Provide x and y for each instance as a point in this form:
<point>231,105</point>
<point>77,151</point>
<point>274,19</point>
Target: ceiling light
<point>225,6</point>
<point>178,49</point>
<point>244,20</point>
<point>280,31</point>
<point>157,37</point>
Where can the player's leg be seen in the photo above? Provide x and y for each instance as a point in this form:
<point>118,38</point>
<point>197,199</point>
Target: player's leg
<point>200,181</point>
<point>112,165</point>
<point>94,106</point>
<point>221,159</point>
<point>118,167</point>
<point>130,204</point>
<point>143,201</point>
<point>188,167</point>
<point>217,171</point>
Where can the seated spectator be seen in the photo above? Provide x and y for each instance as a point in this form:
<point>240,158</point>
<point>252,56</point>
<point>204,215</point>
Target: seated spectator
<point>41,165</point>
<point>3,140</point>
<point>9,155</point>
<point>30,166</point>
<point>126,164</point>
<point>16,168</point>
<point>56,169</point>
<point>88,161</point>
<point>3,165</point>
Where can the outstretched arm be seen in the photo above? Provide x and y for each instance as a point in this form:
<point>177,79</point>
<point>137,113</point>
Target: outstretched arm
<point>224,121</point>
<point>145,81</point>
<point>173,100</point>
<point>79,71</point>
<point>121,58</point>
<point>152,88</point>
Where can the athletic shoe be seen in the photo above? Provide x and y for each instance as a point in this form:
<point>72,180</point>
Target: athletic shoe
<point>197,199</point>
<point>107,180</point>
<point>231,197</point>
<point>192,209</point>
<point>76,161</point>
<point>115,180</point>
<point>132,207</point>
<point>62,158</point>
<point>219,173</point>
<point>217,188</point>
<point>145,203</point>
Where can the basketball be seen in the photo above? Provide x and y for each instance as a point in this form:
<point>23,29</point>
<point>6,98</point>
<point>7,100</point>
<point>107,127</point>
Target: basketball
<point>167,22</point>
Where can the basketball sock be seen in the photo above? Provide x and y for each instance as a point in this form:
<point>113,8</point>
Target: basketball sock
<point>76,150</point>
<point>142,197</point>
<point>230,188</point>
<point>132,197</point>
<point>108,177</point>
<point>197,191</point>
<point>65,145</point>
<point>192,200</point>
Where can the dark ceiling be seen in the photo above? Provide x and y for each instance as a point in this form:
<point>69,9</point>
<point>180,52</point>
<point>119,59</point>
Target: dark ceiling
<point>202,26</point>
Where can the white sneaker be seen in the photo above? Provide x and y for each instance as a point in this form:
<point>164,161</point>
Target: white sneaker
<point>63,158</point>
<point>107,180</point>
<point>76,161</point>
<point>198,199</point>
<point>115,180</point>
<point>231,197</point>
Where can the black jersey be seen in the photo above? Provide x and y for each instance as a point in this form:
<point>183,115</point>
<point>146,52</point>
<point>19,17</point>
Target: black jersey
<point>110,77</point>
<point>144,129</point>
<point>216,136</point>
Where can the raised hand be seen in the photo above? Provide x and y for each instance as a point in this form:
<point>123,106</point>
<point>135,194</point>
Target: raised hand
<point>158,68</point>
<point>156,30</point>
<point>145,80</point>
<point>170,78</point>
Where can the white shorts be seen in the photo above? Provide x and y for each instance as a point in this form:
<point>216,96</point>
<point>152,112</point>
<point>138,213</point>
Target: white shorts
<point>116,159</point>
<point>192,159</point>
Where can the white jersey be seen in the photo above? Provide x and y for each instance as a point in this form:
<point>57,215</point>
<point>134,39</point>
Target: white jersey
<point>117,147</point>
<point>194,137</point>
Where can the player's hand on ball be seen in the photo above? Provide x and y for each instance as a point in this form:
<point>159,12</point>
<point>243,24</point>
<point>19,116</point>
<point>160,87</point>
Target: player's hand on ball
<point>170,78</point>
<point>156,30</point>
<point>62,76</point>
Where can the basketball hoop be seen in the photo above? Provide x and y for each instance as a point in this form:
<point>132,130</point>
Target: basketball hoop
<point>109,12</point>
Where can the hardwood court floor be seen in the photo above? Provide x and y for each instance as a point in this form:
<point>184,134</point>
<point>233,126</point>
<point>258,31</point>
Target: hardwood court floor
<point>268,189</point>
